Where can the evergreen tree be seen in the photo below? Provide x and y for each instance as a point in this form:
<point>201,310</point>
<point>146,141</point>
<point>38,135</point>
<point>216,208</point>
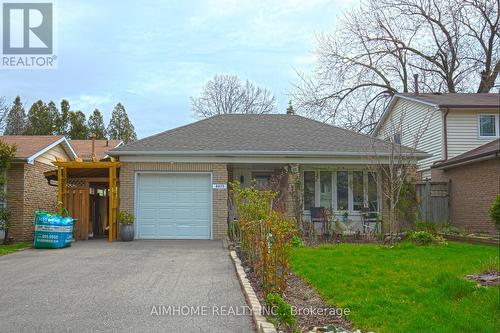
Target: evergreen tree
<point>62,122</point>
<point>53,116</point>
<point>16,119</point>
<point>120,127</point>
<point>78,127</point>
<point>96,125</point>
<point>39,121</point>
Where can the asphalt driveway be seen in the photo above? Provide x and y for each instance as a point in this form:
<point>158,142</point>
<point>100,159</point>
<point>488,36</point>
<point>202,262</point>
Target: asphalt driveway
<point>140,286</point>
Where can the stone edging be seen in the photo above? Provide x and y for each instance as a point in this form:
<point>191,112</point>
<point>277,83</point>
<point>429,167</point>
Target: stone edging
<point>263,326</point>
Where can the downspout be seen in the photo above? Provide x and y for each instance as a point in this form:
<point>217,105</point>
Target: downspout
<point>445,133</point>
<point>445,112</point>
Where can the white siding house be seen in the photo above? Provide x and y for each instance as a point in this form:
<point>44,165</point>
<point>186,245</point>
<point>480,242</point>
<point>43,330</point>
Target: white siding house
<point>442,125</point>
<point>464,132</point>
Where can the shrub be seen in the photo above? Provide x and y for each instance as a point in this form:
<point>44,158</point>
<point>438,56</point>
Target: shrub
<point>265,236</point>
<point>451,230</point>
<point>125,217</point>
<point>495,212</point>
<point>429,227</point>
<point>233,231</point>
<point>282,311</point>
<point>424,238</point>
<point>297,241</point>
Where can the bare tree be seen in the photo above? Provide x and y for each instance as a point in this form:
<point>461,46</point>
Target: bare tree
<point>4,110</point>
<point>225,94</point>
<point>453,45</point>
<point>399,165</point>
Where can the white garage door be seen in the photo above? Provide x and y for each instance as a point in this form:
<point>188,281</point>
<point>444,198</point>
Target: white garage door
<point>173,206</point>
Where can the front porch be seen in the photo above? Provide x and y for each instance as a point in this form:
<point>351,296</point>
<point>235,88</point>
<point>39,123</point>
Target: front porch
<point>344,196</point>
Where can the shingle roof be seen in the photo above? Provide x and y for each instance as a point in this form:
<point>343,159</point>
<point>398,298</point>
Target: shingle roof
<point>239,134</point>
<point>28,145</point>
<point>83,148</point>
<point>490,149</point>
<point>459,100</point>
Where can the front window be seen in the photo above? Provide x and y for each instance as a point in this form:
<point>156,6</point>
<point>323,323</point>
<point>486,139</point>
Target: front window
<point>325,183</point>
<point>309,189</point>
<point>488,125</point>
<point>345,190</point>
<point>357,190</point>
<point>372,192</point>
<point>342,190</point>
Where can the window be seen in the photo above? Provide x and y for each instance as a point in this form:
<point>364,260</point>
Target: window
<point>262,180</point>
<point>357,190</point>
<point>488,125</point>
<point>372,192</point>
<point>325,184</point>
<point>309,189</point>
<point>342,190</point>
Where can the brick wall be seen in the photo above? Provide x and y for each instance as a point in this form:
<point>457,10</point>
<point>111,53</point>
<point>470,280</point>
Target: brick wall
<point>15,199</point>
<point>473,189</point>
<point>219,176</point>
<point>28,191</point>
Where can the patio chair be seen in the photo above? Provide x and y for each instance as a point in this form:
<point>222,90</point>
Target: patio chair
<point>370,223</point>
<point>320,215</point>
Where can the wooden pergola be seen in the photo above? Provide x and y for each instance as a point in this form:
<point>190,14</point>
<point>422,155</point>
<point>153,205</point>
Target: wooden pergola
<point>62,187</point>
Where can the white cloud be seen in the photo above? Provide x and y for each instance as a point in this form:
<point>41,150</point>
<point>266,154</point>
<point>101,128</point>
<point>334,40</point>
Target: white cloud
<point>87,103</point>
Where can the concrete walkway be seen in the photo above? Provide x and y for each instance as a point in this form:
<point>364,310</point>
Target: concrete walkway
<point>140,286</point>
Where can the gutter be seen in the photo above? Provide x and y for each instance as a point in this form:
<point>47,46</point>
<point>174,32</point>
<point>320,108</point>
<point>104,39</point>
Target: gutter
<point>477,158</point>
<point>254,153</point>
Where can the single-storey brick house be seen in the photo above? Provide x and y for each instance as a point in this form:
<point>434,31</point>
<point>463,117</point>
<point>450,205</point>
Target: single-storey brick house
<point>475,183</point>
<point>175,182</point>
<point>27,189</point>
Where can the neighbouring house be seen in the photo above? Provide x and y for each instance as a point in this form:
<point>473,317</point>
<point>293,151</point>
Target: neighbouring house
<point>475,183</point>
<point>86,149</point>
<point>175,182</point>
<point>27,188</point>
<point>443,125</point>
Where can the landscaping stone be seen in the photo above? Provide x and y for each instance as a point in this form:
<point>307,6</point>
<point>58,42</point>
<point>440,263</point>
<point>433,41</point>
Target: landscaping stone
<point>486,279</point>
<point>332,329</point>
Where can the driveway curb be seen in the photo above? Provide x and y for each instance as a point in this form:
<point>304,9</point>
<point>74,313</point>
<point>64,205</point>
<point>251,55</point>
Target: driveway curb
<point>263,326</point>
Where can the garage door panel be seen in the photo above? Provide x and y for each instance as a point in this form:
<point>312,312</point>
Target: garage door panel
<point>185,229</point>
<point>148,230</point>
<point>149,180</point>
<point>194,214</point>
<point>148,214</point>
<point>162,197</point>
<point>148,197</point>
<point>174,206</point>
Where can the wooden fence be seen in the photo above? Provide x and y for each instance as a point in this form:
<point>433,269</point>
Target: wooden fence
<point>434,201</point>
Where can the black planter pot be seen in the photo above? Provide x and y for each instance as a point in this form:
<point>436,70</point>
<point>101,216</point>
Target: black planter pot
<point>126,232</point>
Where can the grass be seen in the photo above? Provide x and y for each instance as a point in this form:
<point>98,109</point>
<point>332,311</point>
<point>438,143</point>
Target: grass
<point>407,288</point>
<point>6,249</point>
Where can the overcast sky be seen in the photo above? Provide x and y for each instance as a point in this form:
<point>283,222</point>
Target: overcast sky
<point>153,57</point>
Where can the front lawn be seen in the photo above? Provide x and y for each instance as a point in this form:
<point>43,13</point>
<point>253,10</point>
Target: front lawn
<point>406,288</point>
<point>5,249</point>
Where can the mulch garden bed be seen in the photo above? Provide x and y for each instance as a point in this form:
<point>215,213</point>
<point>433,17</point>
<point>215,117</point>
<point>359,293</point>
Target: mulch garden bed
<point>303,298</point>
